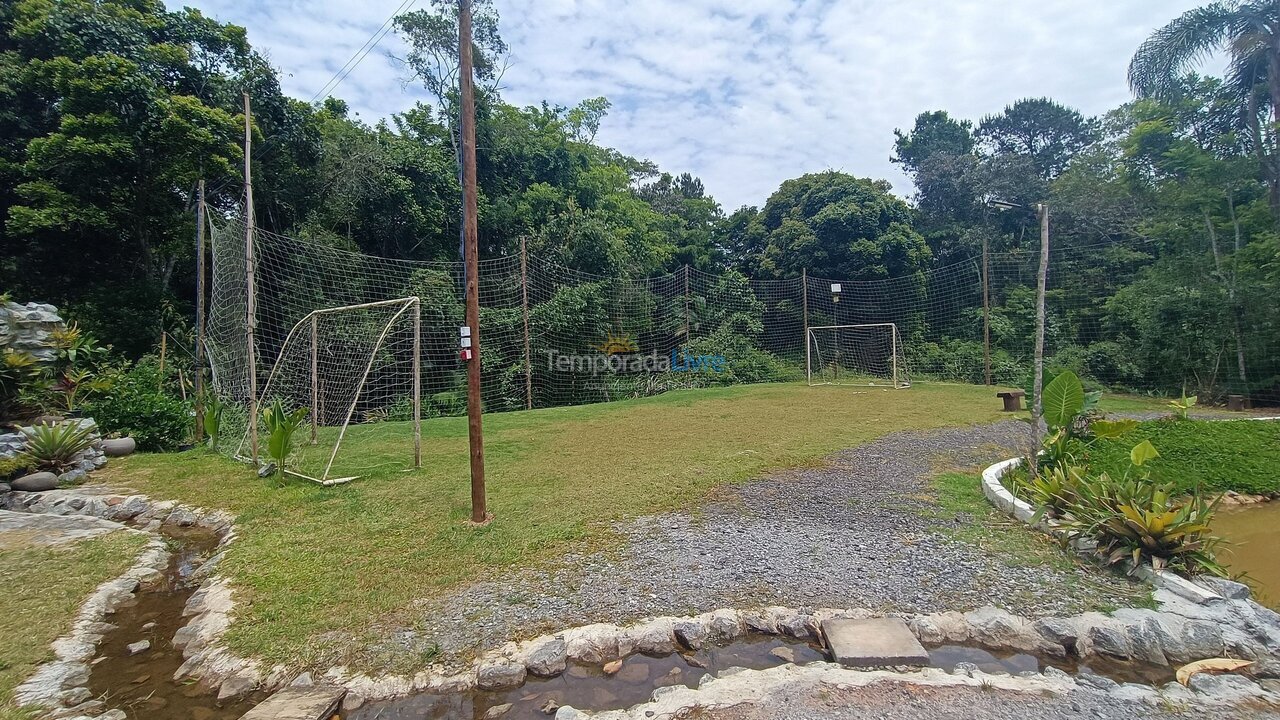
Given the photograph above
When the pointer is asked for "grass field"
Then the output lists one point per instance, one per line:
(44, 587)
(310, 560)
(1216, 456)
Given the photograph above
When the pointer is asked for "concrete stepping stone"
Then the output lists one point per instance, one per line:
(299, 703)
(873, 642)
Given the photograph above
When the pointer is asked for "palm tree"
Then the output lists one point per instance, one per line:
(1249, 31)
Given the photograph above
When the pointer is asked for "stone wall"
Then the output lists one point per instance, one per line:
(26, 328)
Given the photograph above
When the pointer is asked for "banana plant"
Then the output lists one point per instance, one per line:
(280, 425)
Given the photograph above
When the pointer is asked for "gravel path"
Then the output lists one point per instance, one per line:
(856, 532)
(898, 702)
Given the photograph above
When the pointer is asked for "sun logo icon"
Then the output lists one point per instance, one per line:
(619, 344)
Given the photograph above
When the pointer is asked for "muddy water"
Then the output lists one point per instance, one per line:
(588, 688)
(948, 657)
(142, 685)
(1253, 534)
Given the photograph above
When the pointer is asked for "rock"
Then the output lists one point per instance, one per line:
(546, 657)
(303, 680)
(612, 668)
(182, 517)
(235, 687)
(499, 674)
(567, 713)
(5, 487)
(944, 627)
(873, 642)
(1097, 682)
(1226, 588)
(995, 628)
(36, 482)
(1185, 641)
(784, 654)
(137, 647)
(1133, 693)
(1059, 631)
(655, 637)
(691, 634)
(497, 711)
(724, 625)
(1054, 673)
(594, 644)
(692, 661)
(352, 702)
(1225, 687)
(797, 625)
(1109, 640)
(965, 668)
(119, 447)
(550, 707)
(634, 672)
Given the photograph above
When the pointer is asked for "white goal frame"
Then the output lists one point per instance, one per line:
(899, 379)
(400, 306)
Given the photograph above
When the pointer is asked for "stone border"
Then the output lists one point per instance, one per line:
(1011, 505)
(63, 682)
(211, 603)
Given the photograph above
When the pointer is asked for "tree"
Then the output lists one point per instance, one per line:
(1047, 133)
(934, 133)
(839, 226)
(1250, 33)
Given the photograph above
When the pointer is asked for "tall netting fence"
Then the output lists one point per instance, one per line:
(551, 335)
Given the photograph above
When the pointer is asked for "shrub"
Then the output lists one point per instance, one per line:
(137, 406)
(55, 447)
(16, 466)
(280, 425)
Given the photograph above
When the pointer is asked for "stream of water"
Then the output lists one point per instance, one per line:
(142, 684)
(1253, 536)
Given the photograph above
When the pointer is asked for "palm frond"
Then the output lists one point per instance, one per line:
(1160, 60)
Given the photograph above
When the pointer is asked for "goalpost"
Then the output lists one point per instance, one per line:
(346, 364)
(869, 355)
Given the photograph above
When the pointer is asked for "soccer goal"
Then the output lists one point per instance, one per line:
(870, 355)
(346, 366)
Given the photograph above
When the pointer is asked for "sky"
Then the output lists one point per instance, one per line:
(743, 93)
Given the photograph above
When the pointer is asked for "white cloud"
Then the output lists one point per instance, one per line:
(746, 93)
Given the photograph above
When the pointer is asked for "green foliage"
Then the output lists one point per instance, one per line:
(16, 466)
(280, 425)
(20, 379)
(213, 408)
(1063, 400)
(140, 406)
(54, 447)
(1183, 406)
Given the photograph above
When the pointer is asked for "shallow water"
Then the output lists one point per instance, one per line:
(991, 662)
(1253, 536)
(142, 685)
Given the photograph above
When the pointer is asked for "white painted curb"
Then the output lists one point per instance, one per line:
(1010, 505)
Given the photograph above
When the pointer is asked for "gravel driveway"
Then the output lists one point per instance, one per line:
(856, 532)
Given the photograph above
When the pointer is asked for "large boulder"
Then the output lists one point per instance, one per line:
(36, 482)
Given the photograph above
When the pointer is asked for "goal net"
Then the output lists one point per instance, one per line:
(348, 367)
(869, 355)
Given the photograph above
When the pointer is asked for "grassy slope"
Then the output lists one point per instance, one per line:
(44, 588)
(1239, 455)
(310, 560)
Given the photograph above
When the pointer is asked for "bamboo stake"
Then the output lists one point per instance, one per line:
(1037, 407)
(251, 288)
(804, 289)
(200, 311)
(986, 313)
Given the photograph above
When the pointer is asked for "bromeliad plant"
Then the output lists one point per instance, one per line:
(1133, 519)
(55, 447)
(280, 425)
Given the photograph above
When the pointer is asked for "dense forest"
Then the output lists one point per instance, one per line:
(1164, 209)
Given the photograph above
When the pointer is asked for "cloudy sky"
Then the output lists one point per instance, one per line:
(745, 93)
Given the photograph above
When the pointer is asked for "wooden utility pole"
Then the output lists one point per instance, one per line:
(475, 432)
(251, 312)
(199, 369)
(804, 301)
(524, 311)
(1037, 406)
(986, 312)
